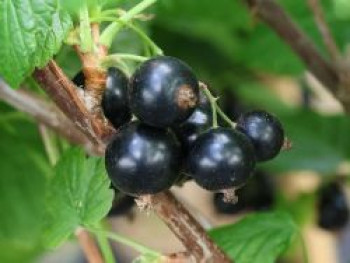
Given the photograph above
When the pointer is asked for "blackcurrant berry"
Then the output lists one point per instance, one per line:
(142, 159)
(115, 102)
(332, 207)
(227, 208)
(163, 92)
(221, 158)
(200, 121)
(79, 79)
(121, 205)
(257, 194)
(265, 131)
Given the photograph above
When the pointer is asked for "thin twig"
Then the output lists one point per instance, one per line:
(43, 112)
(186, 228)
(324, 29)
(50, 147)
(89, 246)
(334, 76)
(273, 14)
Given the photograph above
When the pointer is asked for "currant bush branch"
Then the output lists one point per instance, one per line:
(324, 29)
(89, 246)
(45, 113)
(186, 228)
(334, 76)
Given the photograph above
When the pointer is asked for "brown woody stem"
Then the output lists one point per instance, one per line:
(43, 112)
(89, 246)
(273, 15)
(324, 29)
(95, 76)
(335, 77)
(186, 228)
(63, 92)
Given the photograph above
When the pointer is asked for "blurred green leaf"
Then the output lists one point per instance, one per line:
(256, 238)
(24, 170)
(78, 195)
(228, 27)
(342, 9)
(216, 22)
(256, 94)
(301, 209)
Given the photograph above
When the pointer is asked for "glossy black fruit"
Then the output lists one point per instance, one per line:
(121, 205)
(265, 131)
(115, 102)
(221, 158)
(258, 194)
(228, 208)
(143, 159)
(200, 121)
(163, 92)
(79, 79)
(332, 207)
(260, 191)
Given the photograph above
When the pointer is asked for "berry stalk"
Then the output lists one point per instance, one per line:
(109, 33)
(215, 108)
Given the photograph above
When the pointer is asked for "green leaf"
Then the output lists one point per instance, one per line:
(256, 94)
(342, 9)
(31, 32)
(256, 238)
(215, 22)
(24, 171)
(79, 195)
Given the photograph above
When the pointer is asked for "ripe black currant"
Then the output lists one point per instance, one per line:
(228, 208)
(122, 205)
(115, 101)
(163, 92)
(260, 191)
(257, 194)
(142, 159)
(221, 158)
(79, 79)
(200, 121)
(332, 207)
(265, 131)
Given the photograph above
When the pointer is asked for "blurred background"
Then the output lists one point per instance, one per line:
(247, 66)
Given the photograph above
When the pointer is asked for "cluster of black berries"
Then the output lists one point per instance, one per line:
(173, 132)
